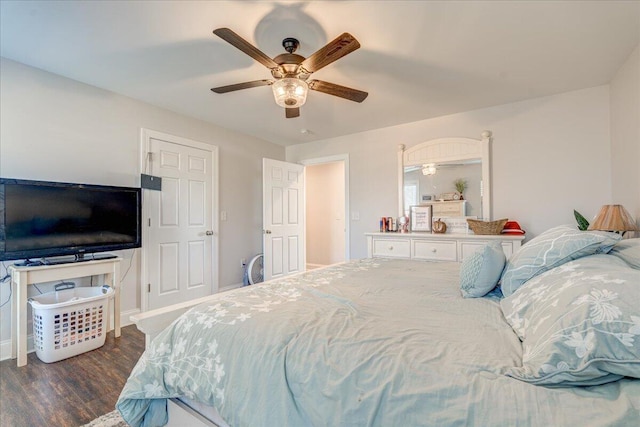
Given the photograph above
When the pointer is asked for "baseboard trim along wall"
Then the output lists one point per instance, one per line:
(314, 266)
(230, 287)
(5, 346)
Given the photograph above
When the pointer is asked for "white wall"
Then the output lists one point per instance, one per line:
(550, 155)
(625, 136)
(325, 222)
(57, 129)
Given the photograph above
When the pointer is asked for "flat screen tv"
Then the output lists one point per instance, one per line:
(51, 219)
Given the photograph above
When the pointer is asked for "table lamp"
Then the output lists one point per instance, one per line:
(614, 218)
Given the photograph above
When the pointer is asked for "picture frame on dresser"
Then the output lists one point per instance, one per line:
(421, 218)
(457, 224)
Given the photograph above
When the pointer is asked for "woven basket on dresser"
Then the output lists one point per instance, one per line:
(487, 227)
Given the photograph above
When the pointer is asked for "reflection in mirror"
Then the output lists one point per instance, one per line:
(427, 172)
(420, 188)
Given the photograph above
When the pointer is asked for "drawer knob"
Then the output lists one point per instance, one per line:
(434, 250)
(390, 248)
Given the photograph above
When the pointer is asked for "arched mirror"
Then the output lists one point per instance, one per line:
(428, 173)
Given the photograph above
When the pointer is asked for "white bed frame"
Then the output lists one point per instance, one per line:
(181, 415)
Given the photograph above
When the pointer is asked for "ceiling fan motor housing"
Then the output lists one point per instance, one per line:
(290, 44)
(289, 66)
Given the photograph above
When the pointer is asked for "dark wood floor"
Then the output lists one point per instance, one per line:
(71, 392)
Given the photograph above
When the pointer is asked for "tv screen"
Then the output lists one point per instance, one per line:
(48, 219)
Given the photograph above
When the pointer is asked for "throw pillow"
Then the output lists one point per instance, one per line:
(480, 271)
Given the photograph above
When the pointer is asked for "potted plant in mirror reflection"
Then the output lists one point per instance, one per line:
(461, 185)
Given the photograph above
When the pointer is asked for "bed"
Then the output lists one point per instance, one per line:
(387, 342)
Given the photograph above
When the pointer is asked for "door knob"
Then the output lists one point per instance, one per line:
(267, 231)
(209, 233)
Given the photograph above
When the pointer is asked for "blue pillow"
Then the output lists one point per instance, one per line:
(479, 272)
(550, 249)
(579, 323)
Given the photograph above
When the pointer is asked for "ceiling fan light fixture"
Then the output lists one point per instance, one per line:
(428, 169)
(290, 92)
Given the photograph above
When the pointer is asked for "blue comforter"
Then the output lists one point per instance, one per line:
(365, 343)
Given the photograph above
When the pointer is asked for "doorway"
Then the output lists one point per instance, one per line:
(326, 210)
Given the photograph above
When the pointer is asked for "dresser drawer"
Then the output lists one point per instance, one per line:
(434, 250)
(435, 247)
(467, 248)
(391, 248)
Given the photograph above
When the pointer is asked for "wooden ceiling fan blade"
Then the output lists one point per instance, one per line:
(292, 112)
(341, 46)
(337, 90)
(235, 40)
(239, 86)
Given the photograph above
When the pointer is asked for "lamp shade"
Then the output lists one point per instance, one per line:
(290, 92)
(613, 218)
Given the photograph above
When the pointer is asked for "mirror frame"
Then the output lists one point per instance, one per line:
(443, 150)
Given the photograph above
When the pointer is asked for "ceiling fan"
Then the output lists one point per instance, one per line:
(291, 71)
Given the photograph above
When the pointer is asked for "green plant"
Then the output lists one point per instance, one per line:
(461, 185)
(583, 224)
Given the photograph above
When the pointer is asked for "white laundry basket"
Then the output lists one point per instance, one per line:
(67, 323)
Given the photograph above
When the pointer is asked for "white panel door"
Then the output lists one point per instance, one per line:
(283, 218)
(180, 241)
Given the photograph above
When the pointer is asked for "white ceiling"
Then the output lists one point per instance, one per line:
(418, 60)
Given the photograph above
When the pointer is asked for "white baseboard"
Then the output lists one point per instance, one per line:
(5, 346)
(230, 287)
(125, 317)
(314, 266)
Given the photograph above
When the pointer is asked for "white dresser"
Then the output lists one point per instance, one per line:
(434, 247)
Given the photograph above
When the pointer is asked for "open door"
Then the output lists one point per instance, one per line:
(283, 218)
